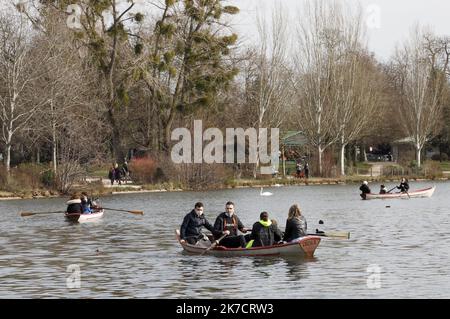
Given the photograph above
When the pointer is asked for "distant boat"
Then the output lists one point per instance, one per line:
(265, 193)
(421, 193)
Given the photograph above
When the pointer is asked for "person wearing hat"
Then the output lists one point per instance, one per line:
(364, 189)
(383, 189)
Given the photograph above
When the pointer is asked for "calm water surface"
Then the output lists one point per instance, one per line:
(125, 255)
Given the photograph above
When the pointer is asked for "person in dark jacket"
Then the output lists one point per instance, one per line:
(191, 228)
(296, 225)
(306, 170)
(364, 189)
(404, 186)
(265, 232)
(118, 174)
(228, 221)
(112, 174)
(383, 190)
(74, 205)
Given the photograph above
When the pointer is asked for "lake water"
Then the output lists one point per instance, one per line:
(401, 251)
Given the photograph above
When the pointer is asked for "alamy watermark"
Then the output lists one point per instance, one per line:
(75, 13)
(208, 146)
(73, 281)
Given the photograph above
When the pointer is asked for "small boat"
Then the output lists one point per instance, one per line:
(82, 218)
(305, 247)
(427, 192)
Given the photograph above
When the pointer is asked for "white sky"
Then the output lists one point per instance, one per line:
(396, 18)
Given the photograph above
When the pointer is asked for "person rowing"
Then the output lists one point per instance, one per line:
(404, 186)
(364, 188)
(228, 221)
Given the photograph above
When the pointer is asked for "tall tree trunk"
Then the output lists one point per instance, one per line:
(8, 158)
(418, 155)
(168, 132)
(343, 159)
(320, 151)
(54, 143)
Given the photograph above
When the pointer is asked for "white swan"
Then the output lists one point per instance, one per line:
(265, 193)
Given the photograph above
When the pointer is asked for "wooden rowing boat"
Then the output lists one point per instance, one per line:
(305, 247)
(427, 192)
(82, 218)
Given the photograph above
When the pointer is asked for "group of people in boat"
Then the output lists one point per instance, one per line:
(81, 204)
(264, 232)
(403, 187)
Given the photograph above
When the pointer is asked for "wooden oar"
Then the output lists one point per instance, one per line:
(332, 234)
(23, 214)
(137, 212)
(391, 190)
(213, 244)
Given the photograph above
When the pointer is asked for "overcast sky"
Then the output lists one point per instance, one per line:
(390, 21)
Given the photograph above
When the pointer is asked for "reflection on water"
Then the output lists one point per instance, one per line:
(125, 255)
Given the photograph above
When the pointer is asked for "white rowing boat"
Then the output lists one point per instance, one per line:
(83, 218)
(421, 193)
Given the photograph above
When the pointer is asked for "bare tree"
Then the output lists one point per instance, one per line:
(421, 68)
(320, 46)
(358, 97)
(268, 84)
(17, 72)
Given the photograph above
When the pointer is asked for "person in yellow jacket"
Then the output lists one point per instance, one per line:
(264, 232)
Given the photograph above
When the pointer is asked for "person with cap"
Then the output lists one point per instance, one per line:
(383, 189)
(191, 228)
(228, 221)
(265, 232)
(364, 188)
(296, 225)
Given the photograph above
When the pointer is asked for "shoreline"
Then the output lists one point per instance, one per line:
(238, 184)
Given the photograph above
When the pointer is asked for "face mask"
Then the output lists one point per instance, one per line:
(199, 212)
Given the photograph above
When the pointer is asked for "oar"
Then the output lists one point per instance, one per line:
(213, 244)
(392, 189)
(23, 214)
(332, 234)
(137, 212)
